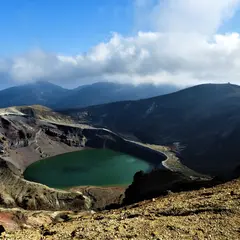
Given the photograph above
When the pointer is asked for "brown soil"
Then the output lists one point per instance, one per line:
(211, 213)
(103, 197)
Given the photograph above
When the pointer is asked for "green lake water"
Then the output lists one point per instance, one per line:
(99, 167)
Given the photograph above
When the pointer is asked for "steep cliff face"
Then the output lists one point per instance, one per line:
(17, 192)
(34, 133)
(24, 140)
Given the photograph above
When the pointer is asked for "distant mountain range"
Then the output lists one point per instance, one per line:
(56, 97)
(43, 93)
(204, 119)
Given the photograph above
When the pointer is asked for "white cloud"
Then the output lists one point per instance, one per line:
(182, 48)
(200, 16)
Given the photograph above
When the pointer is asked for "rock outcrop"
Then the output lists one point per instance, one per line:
(160, 182)
(33, 134)
(17, 192)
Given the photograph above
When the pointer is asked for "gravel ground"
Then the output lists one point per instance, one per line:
(211, 213)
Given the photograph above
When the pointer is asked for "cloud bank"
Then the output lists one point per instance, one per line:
(181, 47)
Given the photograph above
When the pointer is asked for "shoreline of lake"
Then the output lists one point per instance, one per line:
(88, 167)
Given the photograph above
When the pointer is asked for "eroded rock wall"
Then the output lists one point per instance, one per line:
(17, 192)
(26, 140)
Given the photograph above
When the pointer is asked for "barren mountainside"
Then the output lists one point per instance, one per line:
(210, 213)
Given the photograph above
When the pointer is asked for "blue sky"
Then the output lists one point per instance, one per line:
(71, 42)
(232, 25)
(66, 26)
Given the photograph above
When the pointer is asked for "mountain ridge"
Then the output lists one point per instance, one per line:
(203, 118)
(56, 97)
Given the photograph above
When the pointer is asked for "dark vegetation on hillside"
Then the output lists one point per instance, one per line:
(205, 119)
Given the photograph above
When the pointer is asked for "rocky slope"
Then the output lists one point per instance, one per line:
(209, 213)
(31, 133)
(17, 192)
(36, 134)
